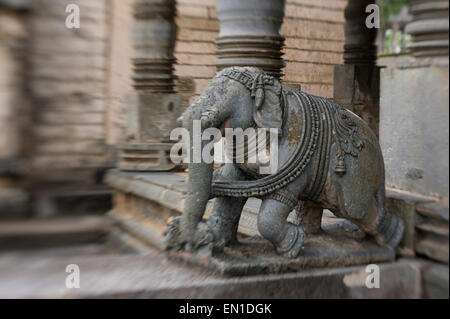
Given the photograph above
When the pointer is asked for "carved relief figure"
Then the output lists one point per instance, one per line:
(328, 159)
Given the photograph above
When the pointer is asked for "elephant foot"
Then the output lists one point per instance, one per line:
(202, 239)
(345, 228)
(292, 243)
(390, 230)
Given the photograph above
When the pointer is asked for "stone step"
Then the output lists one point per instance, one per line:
(14, 203)
(51, 200)
(154, 276)
(427, 224)
(52, 232)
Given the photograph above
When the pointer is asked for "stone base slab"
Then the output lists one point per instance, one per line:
(256, 256)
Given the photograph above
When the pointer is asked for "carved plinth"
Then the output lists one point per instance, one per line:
(256, 256)
(250, 35)
(146, 157)
(151, 119)
(429, 27)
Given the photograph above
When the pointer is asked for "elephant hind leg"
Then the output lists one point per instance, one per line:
(273, 225)
(390, 227)
(386, 227)
(310, 216)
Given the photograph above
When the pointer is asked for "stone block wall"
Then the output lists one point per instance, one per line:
(68, 72)
(314, 32)
(120, 71)
(13, 109)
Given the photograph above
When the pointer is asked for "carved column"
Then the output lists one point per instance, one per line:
(429, 27)
(414, 130)
(357, 82)
(250, 34)
(155, 106)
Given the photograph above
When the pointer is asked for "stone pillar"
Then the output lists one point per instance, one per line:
(429, 27)
(357, 82)
(414, 131)
(416, 90)
(154, 107)
(250, 34)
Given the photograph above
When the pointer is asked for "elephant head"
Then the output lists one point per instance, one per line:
(238, 97)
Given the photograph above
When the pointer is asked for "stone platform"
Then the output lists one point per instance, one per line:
(256, 256)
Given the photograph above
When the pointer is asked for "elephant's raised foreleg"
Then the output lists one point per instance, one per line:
(273, 225)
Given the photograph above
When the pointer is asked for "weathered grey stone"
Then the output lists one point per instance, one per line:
(415, 148)
(435, 278)
(255, 256)
(407, 211)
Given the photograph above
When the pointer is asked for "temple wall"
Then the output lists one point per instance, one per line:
(13, 34)
(314, 32)
(80, 79)
(14, 110)
(68, 86)
(120, 71)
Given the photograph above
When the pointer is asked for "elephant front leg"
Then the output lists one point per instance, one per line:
(224, 220)
(227, 211)
(273, 225)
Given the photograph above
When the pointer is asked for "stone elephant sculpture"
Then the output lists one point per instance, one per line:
(328, 159)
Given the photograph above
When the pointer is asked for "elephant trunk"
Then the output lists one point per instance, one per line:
(199, 184)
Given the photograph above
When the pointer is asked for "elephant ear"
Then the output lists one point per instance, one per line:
(267, 107)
